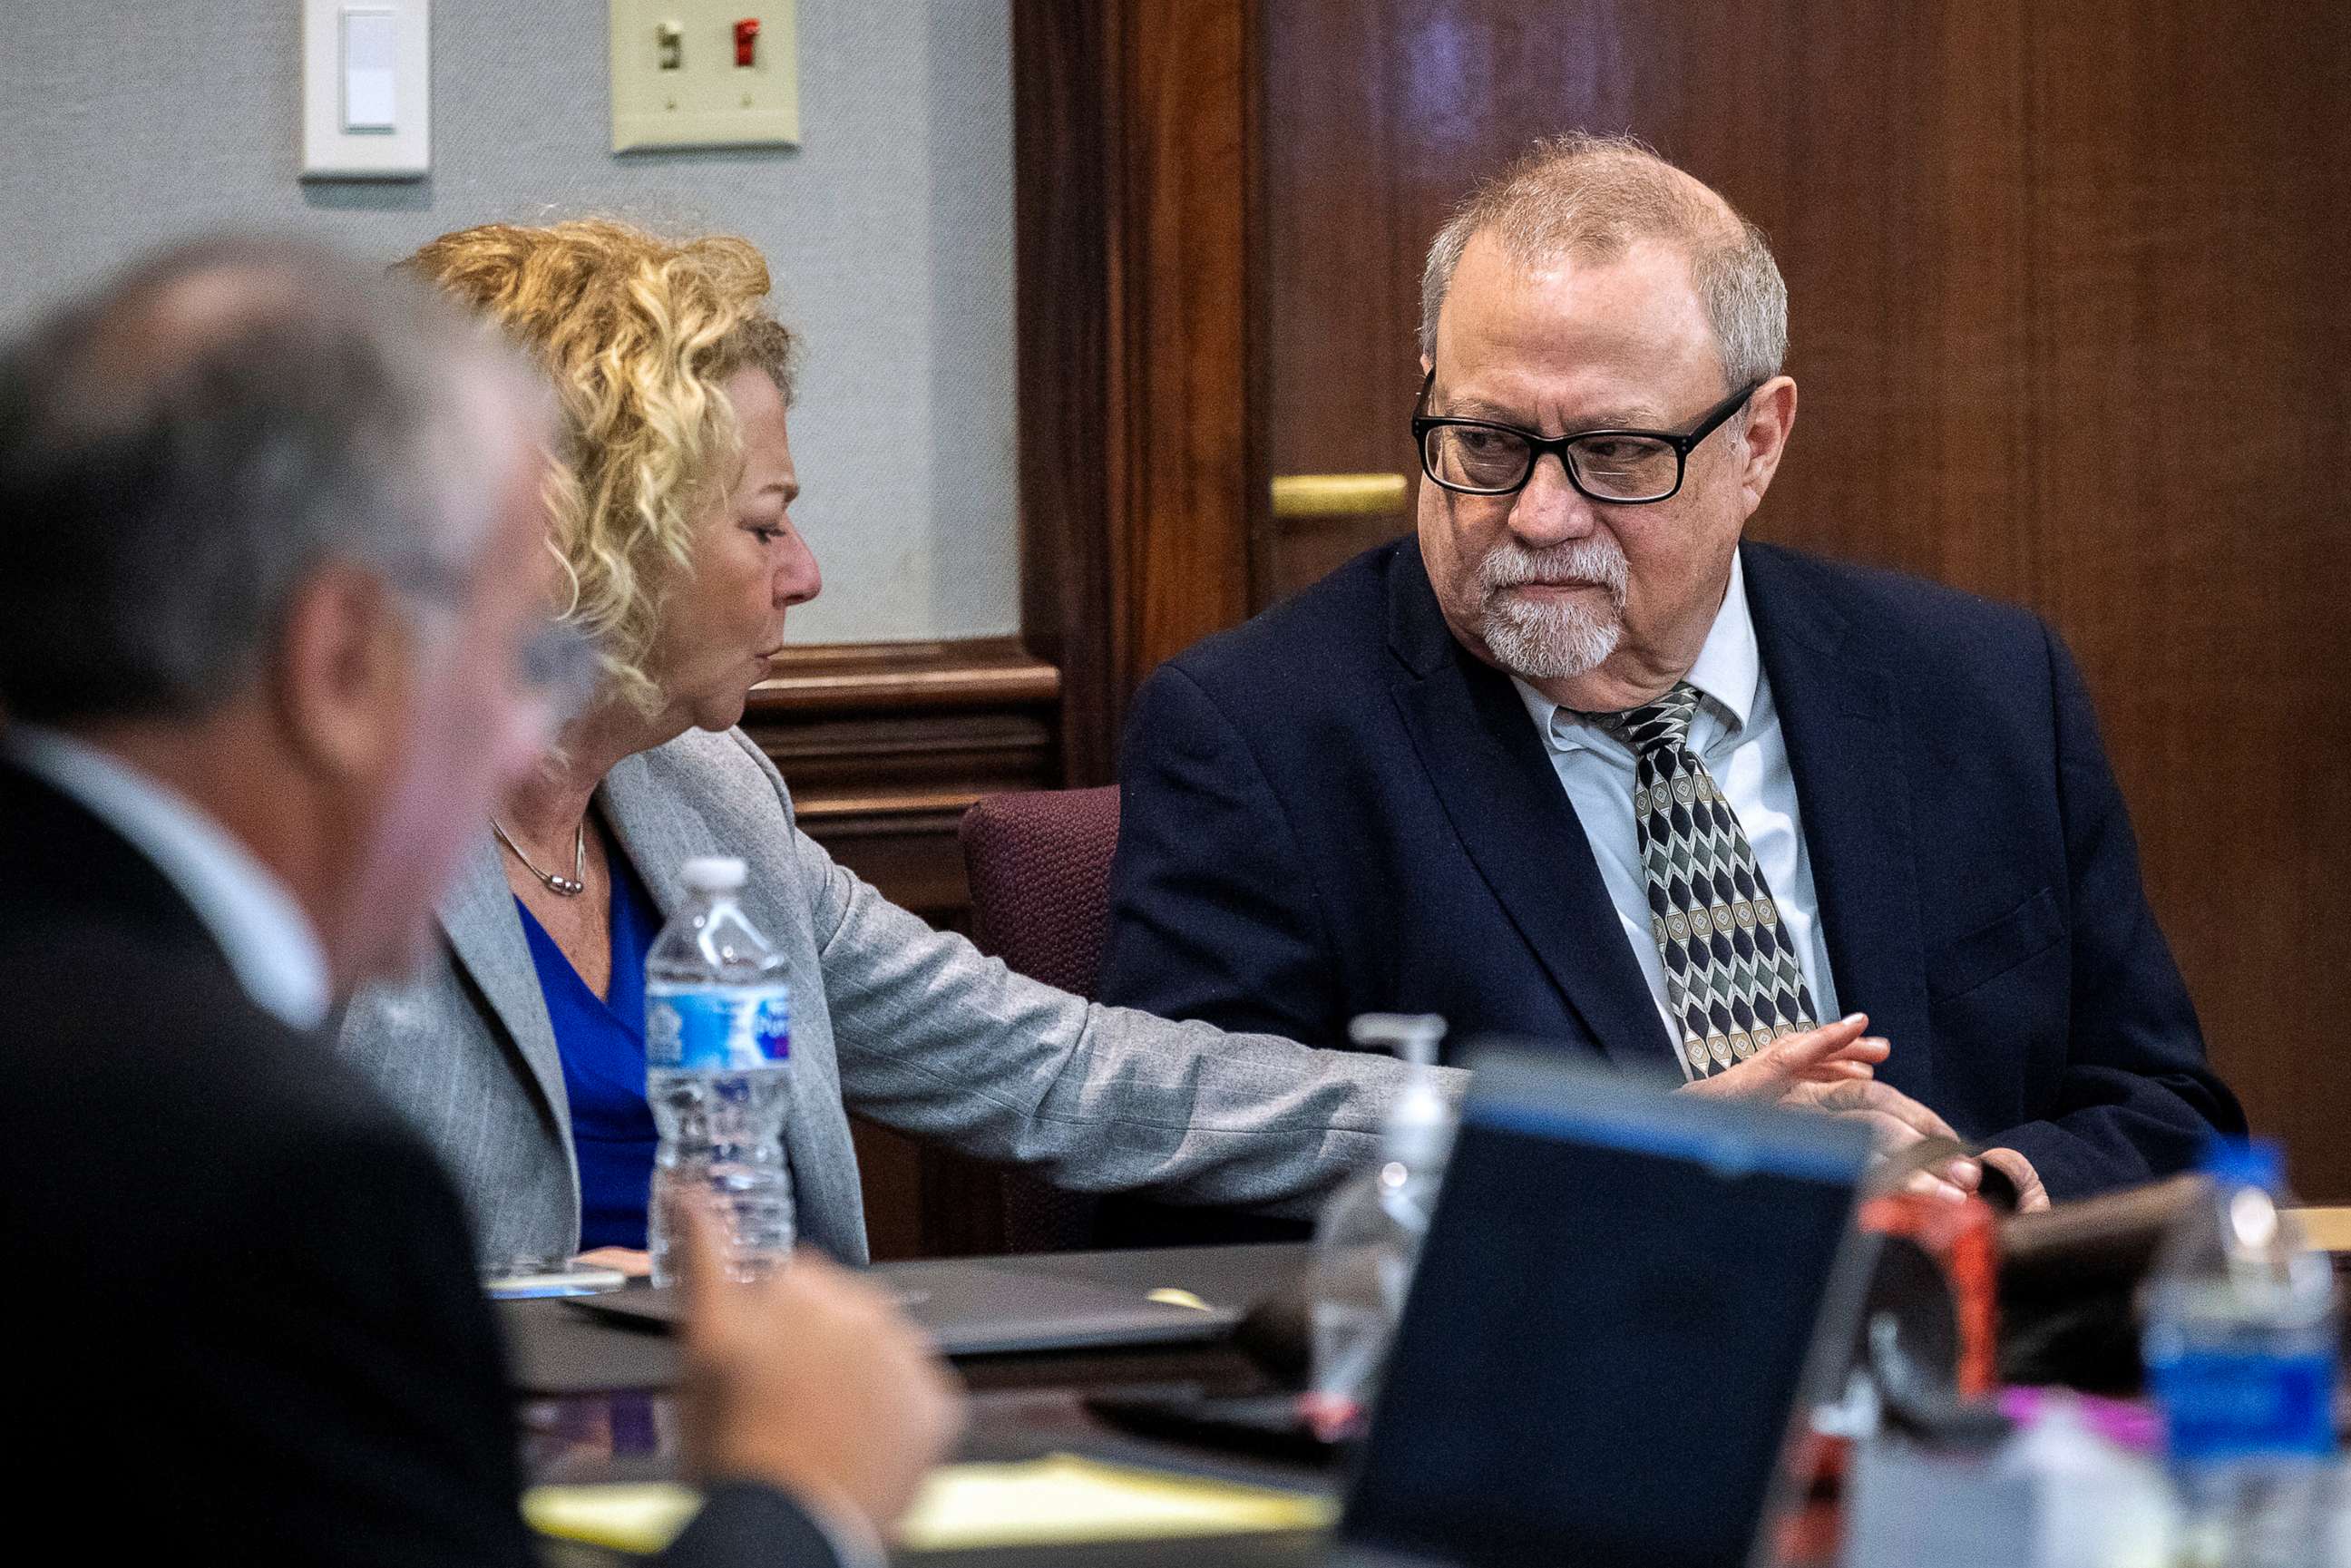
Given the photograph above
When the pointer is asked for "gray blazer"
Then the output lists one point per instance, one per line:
(908, 1025)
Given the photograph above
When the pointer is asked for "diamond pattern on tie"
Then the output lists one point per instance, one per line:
(1731, 979)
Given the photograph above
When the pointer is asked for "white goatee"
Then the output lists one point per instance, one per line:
(1551, 639)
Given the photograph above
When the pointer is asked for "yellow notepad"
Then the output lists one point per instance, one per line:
(626, 1516)
(1060, 1498)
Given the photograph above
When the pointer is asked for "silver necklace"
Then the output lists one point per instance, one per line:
(571, 886)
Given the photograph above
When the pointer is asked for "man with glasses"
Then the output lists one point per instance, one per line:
(1575, 762)
(273, 638)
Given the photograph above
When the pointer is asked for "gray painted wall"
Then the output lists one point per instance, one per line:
(127, 122)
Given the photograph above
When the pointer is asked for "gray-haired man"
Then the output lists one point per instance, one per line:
(1577, 762)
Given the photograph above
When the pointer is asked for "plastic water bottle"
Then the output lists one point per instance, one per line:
(717, 1040)
(2240, 1344)
(1369, 1237)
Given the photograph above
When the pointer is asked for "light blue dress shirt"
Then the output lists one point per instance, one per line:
(262, 931)
(1736, 730)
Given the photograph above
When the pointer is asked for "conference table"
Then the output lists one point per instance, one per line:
(594, 1405)
(594, 1402)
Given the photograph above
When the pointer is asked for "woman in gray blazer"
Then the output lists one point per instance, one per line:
(669, 520)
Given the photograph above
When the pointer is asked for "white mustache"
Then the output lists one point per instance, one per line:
(1597, 560)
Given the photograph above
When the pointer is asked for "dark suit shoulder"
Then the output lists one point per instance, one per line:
(221, 1210)
(154, 1061)
(1931, 618)
(215, 1125)
(158, 1010)
(1311, 651)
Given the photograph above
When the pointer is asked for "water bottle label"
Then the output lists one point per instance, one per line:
(705, 1030)
(2219, 1406)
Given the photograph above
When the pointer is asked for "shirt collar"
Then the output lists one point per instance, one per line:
(261, 930)
(1727, 670)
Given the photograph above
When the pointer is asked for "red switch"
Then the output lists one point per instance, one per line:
(747, 40)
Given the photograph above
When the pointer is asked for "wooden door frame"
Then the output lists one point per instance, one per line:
(1134, 201)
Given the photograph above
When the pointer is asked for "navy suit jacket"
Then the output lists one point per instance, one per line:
(1336, 809)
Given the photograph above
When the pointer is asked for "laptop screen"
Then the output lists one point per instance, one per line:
(1610, 1326)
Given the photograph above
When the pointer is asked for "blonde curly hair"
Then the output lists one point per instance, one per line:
(638, 332)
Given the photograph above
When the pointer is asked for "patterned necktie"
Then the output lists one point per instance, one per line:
(1731, 979)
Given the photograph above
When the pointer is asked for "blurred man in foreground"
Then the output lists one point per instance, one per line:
(273, 637)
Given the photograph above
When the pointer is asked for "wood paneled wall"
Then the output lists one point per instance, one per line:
(884, 744)
(1132, 138)
(2068, 316)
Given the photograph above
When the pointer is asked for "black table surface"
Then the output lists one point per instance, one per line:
(556, 1347)
(594, 1405)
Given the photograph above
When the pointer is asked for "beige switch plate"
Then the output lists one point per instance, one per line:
(707, 100)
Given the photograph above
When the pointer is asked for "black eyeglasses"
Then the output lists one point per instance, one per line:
(1622, 468)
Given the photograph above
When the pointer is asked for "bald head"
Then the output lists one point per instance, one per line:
(180, 447)
(1589, 199)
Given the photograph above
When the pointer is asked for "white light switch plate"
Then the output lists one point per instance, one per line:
(706, 99)
(367, 90)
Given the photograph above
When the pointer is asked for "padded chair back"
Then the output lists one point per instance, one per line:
(1038, 864)
(1040, 869)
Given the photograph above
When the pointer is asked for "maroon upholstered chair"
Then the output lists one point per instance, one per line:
(1038, 864)
(1040, 869)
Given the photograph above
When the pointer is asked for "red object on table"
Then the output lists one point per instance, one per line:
(1962, 1238)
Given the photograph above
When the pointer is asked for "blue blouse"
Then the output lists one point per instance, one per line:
(602, 1043)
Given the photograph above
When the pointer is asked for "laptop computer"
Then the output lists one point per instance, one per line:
(986, 1306)
(1624, 1301)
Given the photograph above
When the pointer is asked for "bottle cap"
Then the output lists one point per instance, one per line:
(1412, 1036)
(1419, 1125)
(714, 873)
(2245, 1162)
